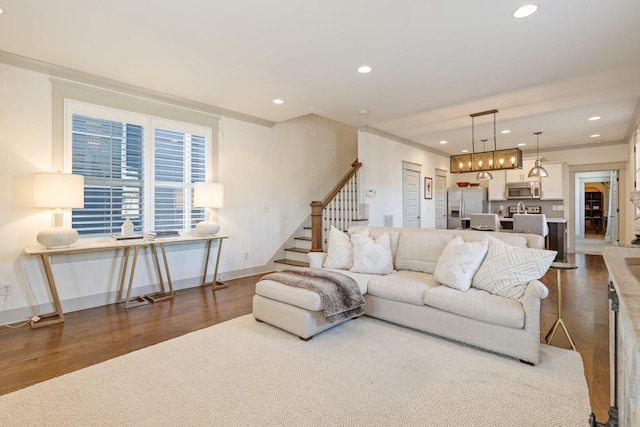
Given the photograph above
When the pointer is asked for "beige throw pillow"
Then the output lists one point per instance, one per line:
(506, 270)
(373, 257)
(339, 250)
(459, 262)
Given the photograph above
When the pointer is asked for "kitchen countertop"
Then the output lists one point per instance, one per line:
(554, 220)
(507, 219)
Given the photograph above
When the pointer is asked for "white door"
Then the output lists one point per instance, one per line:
(410, 196)
(441, 200)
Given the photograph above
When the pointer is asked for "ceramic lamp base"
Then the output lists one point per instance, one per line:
(57, 237)
(207, 228)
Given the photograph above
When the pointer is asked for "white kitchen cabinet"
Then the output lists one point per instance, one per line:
(518, 175)
(496, 186)
(552, 186)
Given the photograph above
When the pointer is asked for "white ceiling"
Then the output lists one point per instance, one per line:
(434, 62)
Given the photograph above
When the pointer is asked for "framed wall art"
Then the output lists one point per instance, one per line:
(428, 188)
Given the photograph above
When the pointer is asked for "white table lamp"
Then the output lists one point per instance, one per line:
(58, 191)
(208, 195)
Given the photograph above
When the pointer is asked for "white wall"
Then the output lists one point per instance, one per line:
(270, 175)
(382, 171)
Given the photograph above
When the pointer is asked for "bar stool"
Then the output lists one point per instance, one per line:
(559, 266)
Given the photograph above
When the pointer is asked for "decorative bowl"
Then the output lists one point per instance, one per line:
(474, 184)
(462, 184)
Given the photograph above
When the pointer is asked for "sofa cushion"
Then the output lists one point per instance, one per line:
(506, 269)
(420, 251)
(404, 286)
(372, 256)
(477, 304)
(339, 250)
(459, 262)
(362, 279)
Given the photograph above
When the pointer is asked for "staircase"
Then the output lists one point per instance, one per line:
(341, 209)
(296, 256)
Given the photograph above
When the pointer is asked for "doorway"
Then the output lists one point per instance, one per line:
(596, 211)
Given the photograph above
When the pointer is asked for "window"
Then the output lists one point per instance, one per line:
(137, 167)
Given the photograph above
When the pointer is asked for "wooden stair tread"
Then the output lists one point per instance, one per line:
(301, 250)
(302, 238)
(292, 262)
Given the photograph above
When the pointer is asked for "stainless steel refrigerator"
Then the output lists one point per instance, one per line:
(462, 202)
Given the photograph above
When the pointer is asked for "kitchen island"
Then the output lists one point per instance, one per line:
(556, 241)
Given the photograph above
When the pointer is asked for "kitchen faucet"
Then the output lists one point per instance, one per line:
(523, 208)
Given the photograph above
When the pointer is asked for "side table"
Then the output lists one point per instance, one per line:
(559, 266)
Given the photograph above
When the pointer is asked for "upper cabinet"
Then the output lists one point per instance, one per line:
(552, 186)
(517, 175)
(496, 186)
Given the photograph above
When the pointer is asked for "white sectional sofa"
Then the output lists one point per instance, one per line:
(411, 296)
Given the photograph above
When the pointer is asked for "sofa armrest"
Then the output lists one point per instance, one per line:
(316, 259)
(535, 292)
(536, 289)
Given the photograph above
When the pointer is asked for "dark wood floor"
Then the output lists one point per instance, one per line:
(91, 336)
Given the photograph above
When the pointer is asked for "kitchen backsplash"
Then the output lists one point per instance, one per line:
(547, 207)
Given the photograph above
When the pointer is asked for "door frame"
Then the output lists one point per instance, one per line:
(413, 167)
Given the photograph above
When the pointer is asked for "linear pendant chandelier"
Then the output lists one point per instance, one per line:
(485, 161)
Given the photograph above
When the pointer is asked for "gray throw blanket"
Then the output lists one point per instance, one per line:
(340, 294)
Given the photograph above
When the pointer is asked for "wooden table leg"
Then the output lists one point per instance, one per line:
(215, 283)
(138, 300)
(56, 316)
(162, 295)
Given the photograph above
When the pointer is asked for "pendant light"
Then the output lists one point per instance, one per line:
(485, 175)
(537, 171)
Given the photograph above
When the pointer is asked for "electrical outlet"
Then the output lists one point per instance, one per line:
(246, 256)
(5, 289)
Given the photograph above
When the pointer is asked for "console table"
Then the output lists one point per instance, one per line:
(45, 254)
(623, 264)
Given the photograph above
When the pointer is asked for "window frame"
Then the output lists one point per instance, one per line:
(150, 124)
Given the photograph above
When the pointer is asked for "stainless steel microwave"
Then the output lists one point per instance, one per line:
(522, 190)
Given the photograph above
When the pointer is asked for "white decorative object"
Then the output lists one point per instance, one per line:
(127, 227)
(58, 191)
(208, 195)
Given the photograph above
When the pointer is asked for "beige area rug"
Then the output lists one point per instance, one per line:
(363, 372)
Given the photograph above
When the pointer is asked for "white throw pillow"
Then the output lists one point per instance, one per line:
(459, 262)
(506, 270)
(373, 257)
(339, 250)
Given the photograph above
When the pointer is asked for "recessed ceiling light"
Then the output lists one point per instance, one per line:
(595, 135)
(364, 69)
(524, 11)
(363, 112)
(465, 151)
(443, 142)
(594, 118)
(1, 10)
(522, 144)
(278, 101)
(506, 131)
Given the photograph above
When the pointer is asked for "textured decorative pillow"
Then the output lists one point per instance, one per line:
(506, 270)
(339, 250)
(420, 250)
(459, 262)
(373, 257)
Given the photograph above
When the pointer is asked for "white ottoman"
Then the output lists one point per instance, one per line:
(296, 310)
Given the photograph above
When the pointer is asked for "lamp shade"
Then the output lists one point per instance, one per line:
(208, 195)
(58, 190)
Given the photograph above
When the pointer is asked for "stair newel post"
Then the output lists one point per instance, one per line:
(316, 226)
